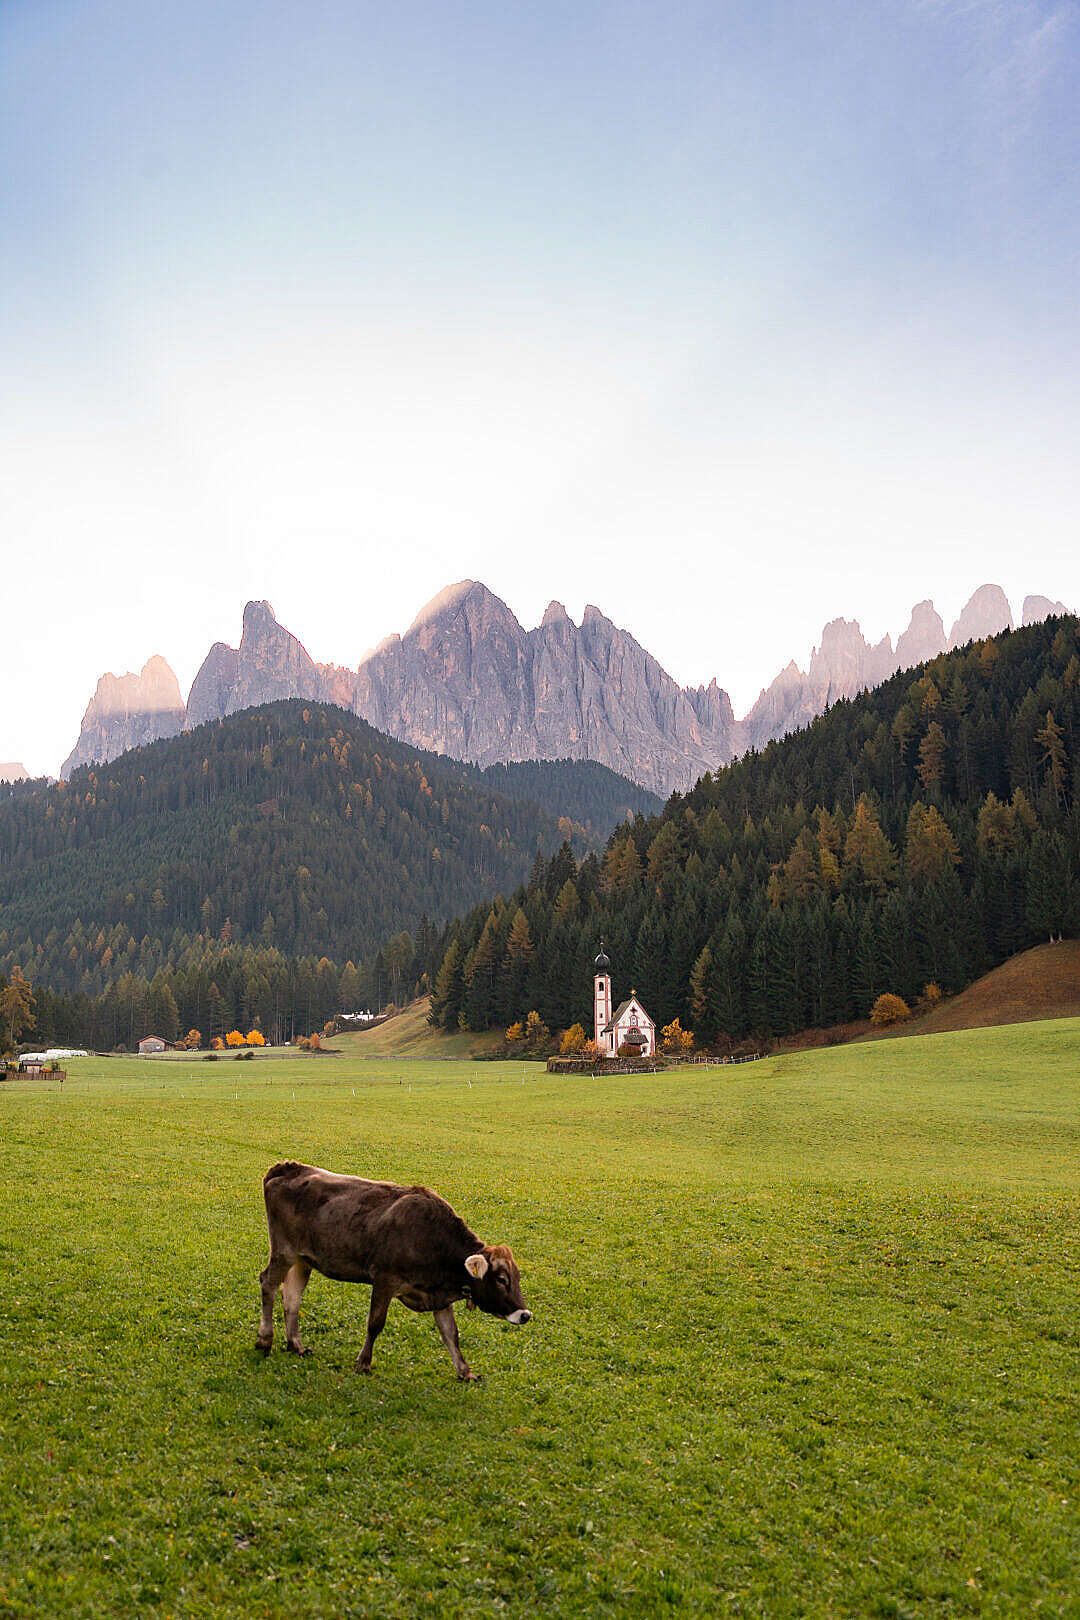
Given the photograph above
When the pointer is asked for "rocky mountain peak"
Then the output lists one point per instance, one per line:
(1038, 608)
(127, 711)
(213, 685)
(924, 637)
(555, 613)
(269, 664)
(986, 613)
(14, 772)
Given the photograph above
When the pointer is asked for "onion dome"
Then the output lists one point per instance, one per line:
(602, 963)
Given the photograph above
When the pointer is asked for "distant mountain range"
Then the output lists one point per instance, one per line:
(13, 773)
(468, 681)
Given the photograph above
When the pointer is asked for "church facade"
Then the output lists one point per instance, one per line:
(627, 1025)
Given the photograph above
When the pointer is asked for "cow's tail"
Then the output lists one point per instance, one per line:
(287, 1167)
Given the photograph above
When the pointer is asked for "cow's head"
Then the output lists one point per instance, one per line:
(495, 1283)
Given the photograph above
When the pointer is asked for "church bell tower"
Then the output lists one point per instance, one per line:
(602, 997)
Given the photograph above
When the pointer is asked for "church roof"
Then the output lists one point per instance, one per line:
(623, 1007)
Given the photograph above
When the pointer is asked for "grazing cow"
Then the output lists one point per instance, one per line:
(405, 1241)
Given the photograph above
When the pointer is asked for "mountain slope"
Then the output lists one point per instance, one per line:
(1041, 983)
(922, 832)
(292, 826)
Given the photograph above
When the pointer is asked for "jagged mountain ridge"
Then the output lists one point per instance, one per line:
(468, 681)
(127, 711)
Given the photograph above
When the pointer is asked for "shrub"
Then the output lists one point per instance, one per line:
(673, 1038)
(216, 1044)
(572, 1041)
(244, 1057)
(888, 1009)
(211, 1057)
(931, 997)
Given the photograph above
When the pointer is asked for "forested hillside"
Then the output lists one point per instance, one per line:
(284, 834)
(589, 793)
(920, 833)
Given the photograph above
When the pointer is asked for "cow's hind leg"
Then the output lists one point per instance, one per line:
(380, 1304)
(447, 1326)
(292, 1292)
(270, 1280)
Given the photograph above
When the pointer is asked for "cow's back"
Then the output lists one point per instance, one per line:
(351, 1228)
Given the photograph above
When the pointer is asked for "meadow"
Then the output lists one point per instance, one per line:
(805, 1341)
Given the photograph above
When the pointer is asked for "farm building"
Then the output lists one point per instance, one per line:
(151, 1045)
(628, 1026)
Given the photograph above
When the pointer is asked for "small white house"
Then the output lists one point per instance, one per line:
(628, 1025)
(151, 1045)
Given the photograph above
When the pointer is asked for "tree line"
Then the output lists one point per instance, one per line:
(915, 835)
(288, 833)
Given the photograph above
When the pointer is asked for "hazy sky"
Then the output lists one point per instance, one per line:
(729, 318)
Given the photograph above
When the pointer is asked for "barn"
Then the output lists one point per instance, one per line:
(151, 1045)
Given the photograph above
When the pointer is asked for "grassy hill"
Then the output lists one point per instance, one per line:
(410, 1035)
(1040, 983)
(804, 1342)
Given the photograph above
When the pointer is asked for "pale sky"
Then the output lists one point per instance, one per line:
(730, 318)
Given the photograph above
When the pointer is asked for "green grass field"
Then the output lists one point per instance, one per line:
(805, 1342)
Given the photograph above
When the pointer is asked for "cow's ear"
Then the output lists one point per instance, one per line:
(476, 1265)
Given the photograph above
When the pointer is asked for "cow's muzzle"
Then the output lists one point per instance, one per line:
(518, 1318)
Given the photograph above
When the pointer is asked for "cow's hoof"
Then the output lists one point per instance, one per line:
(471, 1378)
(264, 1349)
(298, 1349)
(364, 1367)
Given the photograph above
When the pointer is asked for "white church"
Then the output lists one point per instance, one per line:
(629, 1025)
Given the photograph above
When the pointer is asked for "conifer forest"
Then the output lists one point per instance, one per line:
(291, 862)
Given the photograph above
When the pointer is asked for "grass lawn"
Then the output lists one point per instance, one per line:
(805, 1342)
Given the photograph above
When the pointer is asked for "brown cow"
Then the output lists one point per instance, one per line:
(406, 1242)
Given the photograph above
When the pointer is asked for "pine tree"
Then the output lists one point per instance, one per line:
(932, 755)
(449, 989)
(516, 963)
(1051, 740)
(480, 1008)
(931, 846)
(867, 852)
(17, 1007)
(701, 989)
(1049, 886)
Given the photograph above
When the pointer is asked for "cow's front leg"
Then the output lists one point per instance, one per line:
(270, 1280)
(380, 1304)
(447, 1326)
(292, 1292)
